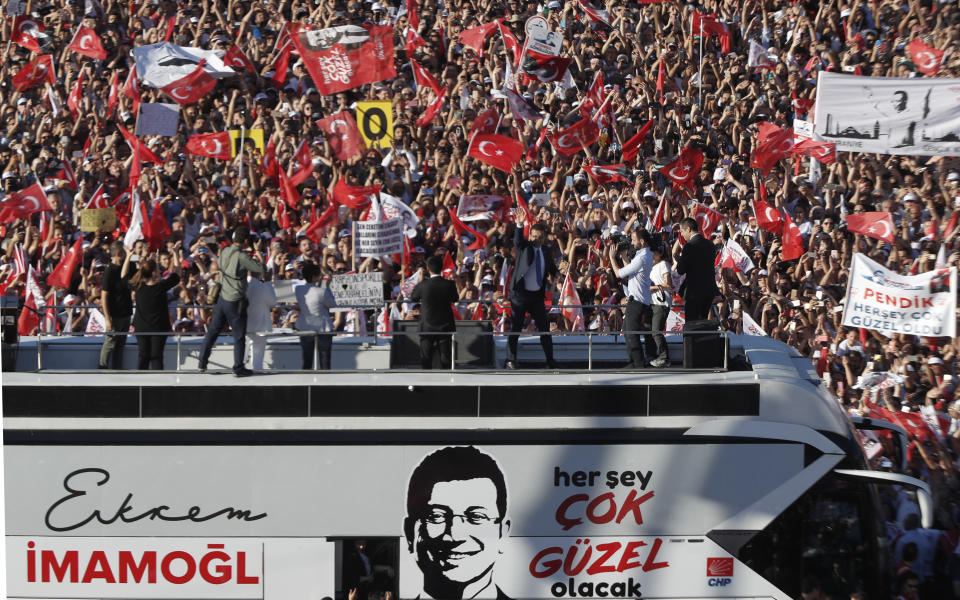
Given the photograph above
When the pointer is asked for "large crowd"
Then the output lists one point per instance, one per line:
(711, 101)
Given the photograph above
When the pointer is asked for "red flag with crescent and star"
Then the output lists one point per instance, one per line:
(683, 170)
(213, 145)
(707, 219)
(498, 151)
(878, 225)
(342, 134)
(192, 87)
(767, 216)
(36, 71)
(88, 43)
(238, 60)
(926, 59)
(22, 204)
(574, 138)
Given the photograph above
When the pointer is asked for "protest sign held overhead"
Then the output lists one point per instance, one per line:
(344, 57)
(478, 207)
(886, 115)
(889, 303)
(375, 122)
(379, 238)
(253, 138)
(357, 289)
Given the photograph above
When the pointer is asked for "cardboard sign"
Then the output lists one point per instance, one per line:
(98, 219)
(379, 238)
(358, 290)
(254, 136)
(375, 121)
(158, 118)
(540, 38)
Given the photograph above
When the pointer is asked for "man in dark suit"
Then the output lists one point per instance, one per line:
(534, 265)
(696, 262)
(435, 294)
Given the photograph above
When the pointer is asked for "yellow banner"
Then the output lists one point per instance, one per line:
(375, 121)
(253, 137)
(98, 219)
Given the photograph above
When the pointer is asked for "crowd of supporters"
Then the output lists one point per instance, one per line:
(652, 70)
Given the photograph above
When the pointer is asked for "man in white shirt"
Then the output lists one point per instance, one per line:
(260, 298)
(314, 302)
(636, 274)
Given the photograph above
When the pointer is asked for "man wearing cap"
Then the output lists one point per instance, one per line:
(527, 287)
(231, 306)
(435, 295)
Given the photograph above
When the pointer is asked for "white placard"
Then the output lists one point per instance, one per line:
(379, 238)
(884, 301)
(358, 289)
(888, 115)
(158, 118)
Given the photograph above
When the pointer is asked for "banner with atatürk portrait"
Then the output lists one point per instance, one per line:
(887, 115)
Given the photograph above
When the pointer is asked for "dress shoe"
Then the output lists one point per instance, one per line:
(242, 372)
(510, 365)
(552, 364)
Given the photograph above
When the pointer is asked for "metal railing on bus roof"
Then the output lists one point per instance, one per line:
(390, 334)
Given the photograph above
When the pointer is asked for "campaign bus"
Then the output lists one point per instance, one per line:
(744, 481)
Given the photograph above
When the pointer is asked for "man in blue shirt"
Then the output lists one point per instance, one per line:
(635, 273)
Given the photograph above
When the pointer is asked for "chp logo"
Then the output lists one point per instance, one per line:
(719, 571)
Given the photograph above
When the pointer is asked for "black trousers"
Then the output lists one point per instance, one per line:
(521, 303)
(638, 317)
(324, 344)
(111, 354)
(224, 312)
(696, 307)
(434, 351)
(150, 352)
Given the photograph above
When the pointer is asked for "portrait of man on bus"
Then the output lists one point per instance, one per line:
(456, 521)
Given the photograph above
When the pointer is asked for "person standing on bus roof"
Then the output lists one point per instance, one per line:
(696, 262)
(314, 300)
(527, 290)
(632, 264)
(231, 306)
(456, 522)
(435, 295)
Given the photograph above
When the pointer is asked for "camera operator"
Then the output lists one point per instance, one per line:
(231, 306)
(633, 263)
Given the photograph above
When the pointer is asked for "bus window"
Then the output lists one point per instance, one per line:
(368, 565)
(825, 539)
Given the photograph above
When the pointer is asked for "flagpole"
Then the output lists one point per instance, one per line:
(700, 72)
(353, 246)
(243, 135)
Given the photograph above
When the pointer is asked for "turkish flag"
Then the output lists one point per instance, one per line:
(544, 67)
(114, 98)
(342, 134)
(434, 107)
(707, 219)
(146, 154)
(269, 163)
(424, 78)
(595, 94)
(632, 146)
(511, 42)
(604, 174)
(878, 225)
(801, 105)
(597, 15)
(660, 79)
(335, 68)
(926, 59)
(413, 41)
(777, 145)
(238, 60)
(36, 71)
(319, 226)
(289, 190)
(413, 16)
(302, 164)
(486, 122)
(76, 94)
(572, 306)
(498, 151)
(767, 216)
(213, 145)
(159, 229)
(97, 200)
(825, 152)
(684, 169)
(480, 240)
(63, 273)
(709, 25)
(25, 30)
(354, 196)
(474, 37)
(66, 174)
(191, 88)
(22, 204)
(574, 138)
(792, 240)
(280, 66)
(87, 42)
(29, 320)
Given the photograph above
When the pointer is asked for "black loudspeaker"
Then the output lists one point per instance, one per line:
(8, 319)
(703, 350)
(474, 351)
